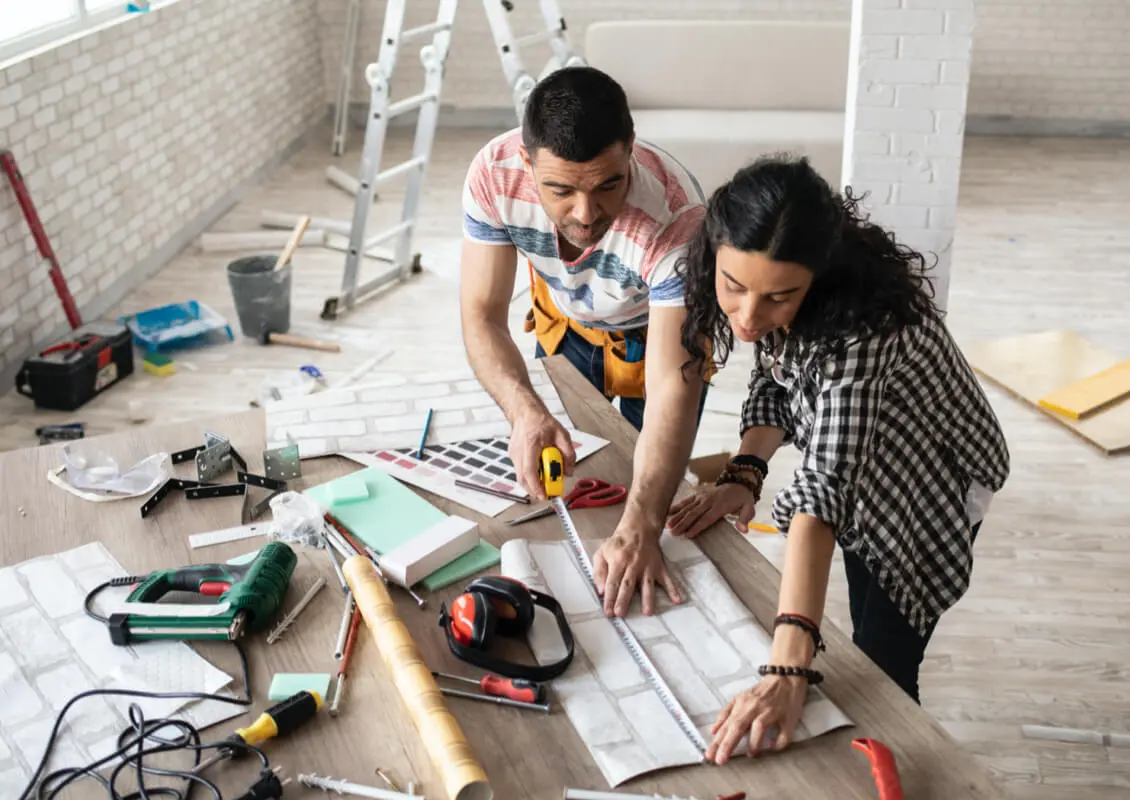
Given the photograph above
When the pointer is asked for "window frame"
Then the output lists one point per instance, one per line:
(82, 22)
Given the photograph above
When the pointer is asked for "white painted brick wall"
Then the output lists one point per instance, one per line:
(1045, 59)
(126, 134)
(903, 129)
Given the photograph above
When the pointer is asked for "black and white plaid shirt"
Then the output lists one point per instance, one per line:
(895, 432)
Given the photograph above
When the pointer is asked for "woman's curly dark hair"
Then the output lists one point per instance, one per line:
(863, 280)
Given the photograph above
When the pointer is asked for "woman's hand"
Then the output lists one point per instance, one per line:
(709, 503)
(774, 704)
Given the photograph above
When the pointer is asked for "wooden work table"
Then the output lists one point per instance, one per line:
(527, 755)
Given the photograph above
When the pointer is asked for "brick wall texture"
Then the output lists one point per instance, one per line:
(125, 135)
(907, 89)
(1045, 59)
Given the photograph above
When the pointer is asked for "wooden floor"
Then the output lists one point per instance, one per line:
(1043, 636)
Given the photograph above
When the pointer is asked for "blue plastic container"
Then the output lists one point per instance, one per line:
(176, 325)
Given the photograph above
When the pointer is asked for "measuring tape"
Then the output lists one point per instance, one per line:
(551, 463)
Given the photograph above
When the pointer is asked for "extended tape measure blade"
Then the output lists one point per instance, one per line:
(627, 638)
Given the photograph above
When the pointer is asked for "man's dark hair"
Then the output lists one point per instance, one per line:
(576, 113)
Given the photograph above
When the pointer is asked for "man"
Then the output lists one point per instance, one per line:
(600, 220)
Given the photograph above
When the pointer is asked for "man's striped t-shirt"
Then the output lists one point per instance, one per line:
(613, 283)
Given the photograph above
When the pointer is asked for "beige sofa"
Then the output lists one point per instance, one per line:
(717, 94)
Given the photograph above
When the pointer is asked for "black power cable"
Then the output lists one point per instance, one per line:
(132, 742)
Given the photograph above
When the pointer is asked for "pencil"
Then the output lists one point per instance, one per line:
(487, 490)
(424, 438)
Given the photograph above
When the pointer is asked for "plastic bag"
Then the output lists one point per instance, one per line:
(297, 519)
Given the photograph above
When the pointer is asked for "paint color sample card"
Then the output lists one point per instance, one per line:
(484, 462)
(389, 413)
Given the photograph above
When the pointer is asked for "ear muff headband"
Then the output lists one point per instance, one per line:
(475, 651)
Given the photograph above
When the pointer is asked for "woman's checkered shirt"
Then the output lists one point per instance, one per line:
(893, 431)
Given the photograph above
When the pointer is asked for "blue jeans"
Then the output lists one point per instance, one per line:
(589, 361)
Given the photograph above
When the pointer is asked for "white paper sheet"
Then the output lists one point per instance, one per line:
(707, 650)
(50, 650)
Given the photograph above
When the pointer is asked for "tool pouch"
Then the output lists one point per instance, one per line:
(623, 356)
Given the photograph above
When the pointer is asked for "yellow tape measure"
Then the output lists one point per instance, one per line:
(551, 471)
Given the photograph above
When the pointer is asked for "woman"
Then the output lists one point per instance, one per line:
(900, 449)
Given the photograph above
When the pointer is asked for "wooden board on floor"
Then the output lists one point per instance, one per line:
(1094, 393)
(1035, 365)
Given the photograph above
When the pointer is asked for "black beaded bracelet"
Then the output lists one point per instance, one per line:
(742, 461)
(813, 676)
(806, 624)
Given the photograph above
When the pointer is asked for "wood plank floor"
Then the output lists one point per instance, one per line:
(1043, 636)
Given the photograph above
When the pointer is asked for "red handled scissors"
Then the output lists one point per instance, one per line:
(587, 493)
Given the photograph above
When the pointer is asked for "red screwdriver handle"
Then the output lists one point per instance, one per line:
(516, 689)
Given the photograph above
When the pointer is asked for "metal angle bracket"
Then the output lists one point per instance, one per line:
(217, 457)
(261, 481)
(282, 463)
(208, 491)
(181, 456)
(168, 486)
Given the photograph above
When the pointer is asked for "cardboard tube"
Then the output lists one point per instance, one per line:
(463, 777)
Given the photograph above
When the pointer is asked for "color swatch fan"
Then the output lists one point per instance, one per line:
(483, 462)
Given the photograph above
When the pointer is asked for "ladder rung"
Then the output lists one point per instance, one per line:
(399, 169)
(423, 30)
(384, 236)
(535, 38)
(409, 103)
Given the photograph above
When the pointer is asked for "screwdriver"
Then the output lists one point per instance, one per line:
(278, 720)
(518, 689)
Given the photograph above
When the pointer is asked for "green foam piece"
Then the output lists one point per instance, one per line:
(350, 489)
(393, 514)
(246, 558)
(286, 684)
(482, 556)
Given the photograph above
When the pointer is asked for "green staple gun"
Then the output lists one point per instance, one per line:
(248, 596)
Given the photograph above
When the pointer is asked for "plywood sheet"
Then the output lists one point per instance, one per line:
(1035, 365)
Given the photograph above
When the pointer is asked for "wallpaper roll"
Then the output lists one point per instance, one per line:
(463, 777)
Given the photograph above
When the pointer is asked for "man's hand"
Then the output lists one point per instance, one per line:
(531, 433)
(626, 561)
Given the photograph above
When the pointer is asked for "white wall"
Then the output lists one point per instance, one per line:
(1057, 65)
(133, 138)
(908, 81)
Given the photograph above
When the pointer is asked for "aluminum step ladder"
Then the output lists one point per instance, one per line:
(522, 82)
(379, 77)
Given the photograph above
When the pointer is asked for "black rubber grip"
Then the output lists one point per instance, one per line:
(292, 712)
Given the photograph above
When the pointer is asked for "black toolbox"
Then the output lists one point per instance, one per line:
(67, 374)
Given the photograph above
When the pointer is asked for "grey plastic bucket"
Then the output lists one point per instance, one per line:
(262, 297)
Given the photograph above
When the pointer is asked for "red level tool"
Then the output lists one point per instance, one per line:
(8, 162)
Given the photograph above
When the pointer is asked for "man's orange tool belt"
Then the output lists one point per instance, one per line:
(622, 378)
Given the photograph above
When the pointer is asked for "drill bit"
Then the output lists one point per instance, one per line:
(289, 619)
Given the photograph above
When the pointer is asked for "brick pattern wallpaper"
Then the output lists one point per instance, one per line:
(126, 135)
(1031, 58)
(907, 90)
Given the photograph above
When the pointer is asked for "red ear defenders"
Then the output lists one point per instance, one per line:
(497, 606)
